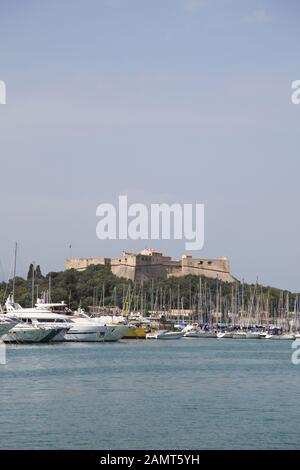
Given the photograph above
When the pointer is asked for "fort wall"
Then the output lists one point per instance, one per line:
(80, 264)
(152, 264)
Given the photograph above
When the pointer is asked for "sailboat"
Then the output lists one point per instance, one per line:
(275, 333)
(225, 334)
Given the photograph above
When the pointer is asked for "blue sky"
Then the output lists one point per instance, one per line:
(166, 101)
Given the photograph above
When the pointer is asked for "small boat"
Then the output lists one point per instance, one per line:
(263, 335)
(275, 333)
(239, 335)
(170, 335)
(282, 336)
(152, 335)
(246, 335)
(200, 334)
(255, 335)
(225, 334)
(165, 335)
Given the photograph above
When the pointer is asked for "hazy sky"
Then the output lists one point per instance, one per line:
(163, 100)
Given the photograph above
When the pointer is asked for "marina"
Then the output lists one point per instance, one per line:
(43, 324)
(199, 307)
(48, 322)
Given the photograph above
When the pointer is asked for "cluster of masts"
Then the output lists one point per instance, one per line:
(204, 305)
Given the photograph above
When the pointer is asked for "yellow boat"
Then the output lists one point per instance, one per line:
(137, 333)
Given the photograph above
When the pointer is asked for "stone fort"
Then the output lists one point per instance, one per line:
(151, 264)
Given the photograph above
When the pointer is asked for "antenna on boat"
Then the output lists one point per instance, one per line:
(15, 270)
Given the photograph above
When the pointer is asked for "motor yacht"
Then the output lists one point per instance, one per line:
(77, 326)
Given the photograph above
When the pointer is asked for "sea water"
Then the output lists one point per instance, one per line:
(180, 394)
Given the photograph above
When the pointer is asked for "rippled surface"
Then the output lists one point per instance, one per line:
(186, 394)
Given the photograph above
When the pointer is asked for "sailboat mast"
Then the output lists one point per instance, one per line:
(32, 287)
(200, 320)
(142, 297)
(178, 301)
(49, 291)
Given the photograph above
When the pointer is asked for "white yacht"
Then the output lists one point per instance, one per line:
(97, 328)
(33, 327)
(24, 333)
(70, 326)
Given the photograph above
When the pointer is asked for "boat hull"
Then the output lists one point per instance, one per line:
(26, 335)
(254, 336)
(96, 333)
(169, 335)
(280, 337)
(200, 334)
(136, 333)
(55, 334)
(239, 335)
(5, 328)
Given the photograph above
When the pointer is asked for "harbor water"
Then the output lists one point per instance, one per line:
(183, 394)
